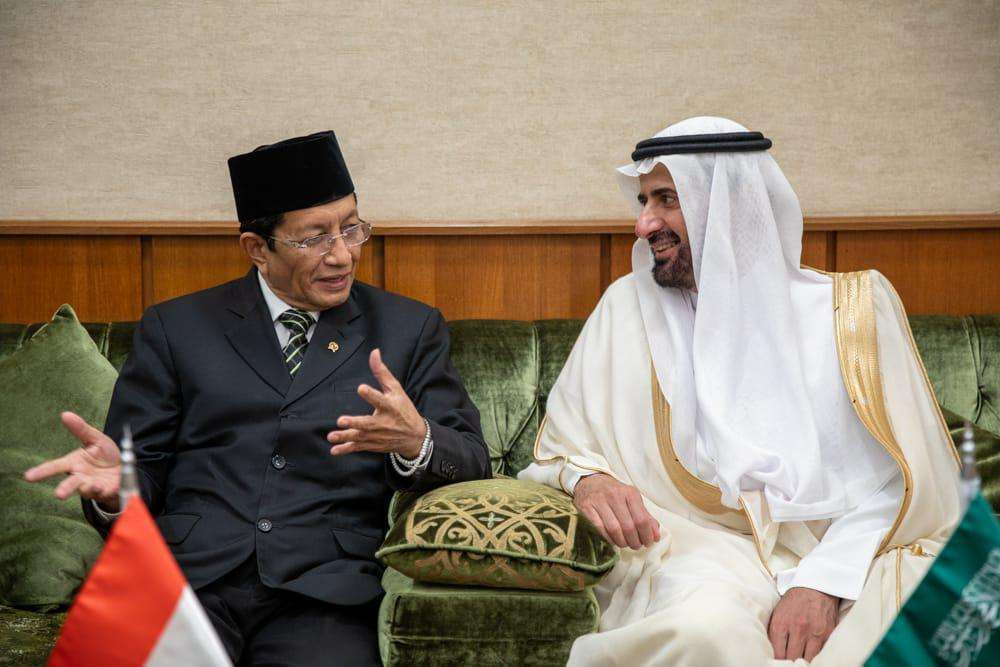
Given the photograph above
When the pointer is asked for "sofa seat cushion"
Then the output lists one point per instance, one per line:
(27, 637)
(498, 532)
(429, 624)
(46, 546)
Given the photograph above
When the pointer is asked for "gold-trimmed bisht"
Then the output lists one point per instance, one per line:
(857, 348)
(703, 495)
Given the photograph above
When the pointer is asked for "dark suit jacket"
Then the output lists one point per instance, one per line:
(232, 453)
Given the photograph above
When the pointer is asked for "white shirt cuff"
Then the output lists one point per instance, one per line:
(839, 564)
(570, 476)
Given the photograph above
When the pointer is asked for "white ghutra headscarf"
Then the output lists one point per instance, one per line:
(752, 373)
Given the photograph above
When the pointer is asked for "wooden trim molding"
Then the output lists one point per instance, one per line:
(478, 227)
(863, 223)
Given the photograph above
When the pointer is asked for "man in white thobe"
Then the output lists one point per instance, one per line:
(760, 439)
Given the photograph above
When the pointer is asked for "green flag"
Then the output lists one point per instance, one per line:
(953, 616)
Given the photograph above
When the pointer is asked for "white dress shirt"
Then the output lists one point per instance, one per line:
(276, 307)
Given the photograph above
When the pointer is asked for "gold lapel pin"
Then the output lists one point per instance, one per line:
(333, 346)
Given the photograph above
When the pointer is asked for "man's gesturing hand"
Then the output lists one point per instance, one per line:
(616, 510)
(801, 623)
(94, 470)
(396, 426)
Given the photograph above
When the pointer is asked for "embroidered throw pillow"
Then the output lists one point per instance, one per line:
(499, 532)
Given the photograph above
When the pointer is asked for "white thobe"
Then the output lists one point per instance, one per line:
(704, 593)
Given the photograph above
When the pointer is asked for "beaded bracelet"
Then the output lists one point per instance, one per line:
(406, 467)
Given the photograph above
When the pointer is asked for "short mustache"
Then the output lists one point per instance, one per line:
(663, 235)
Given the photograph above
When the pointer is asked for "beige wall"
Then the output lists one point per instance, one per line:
(491, 110)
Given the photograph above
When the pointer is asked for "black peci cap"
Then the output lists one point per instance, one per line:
(289, 175)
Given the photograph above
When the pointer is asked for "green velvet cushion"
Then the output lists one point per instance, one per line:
(46, 546)
(426, 624)
(498, 532)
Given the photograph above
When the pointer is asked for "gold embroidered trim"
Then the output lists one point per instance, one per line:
(857, 347)
(899, 580)
(538, 439)
(706, 497)
(541, 461)
(923, 371)
(756, 536)
(914, 549)
(498, 532)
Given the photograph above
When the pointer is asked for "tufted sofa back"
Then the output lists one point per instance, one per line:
(510, 366)
(962, 357)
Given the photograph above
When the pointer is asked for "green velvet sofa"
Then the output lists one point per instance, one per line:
(509, 368)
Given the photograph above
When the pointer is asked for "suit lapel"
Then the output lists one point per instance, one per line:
(343, 325)
(253, 335)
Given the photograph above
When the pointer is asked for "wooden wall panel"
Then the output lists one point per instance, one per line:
(621, 255)
(113, 272)
(934, 271)
(181, 265)
(99, 277)
(817, 250)
(506, 277)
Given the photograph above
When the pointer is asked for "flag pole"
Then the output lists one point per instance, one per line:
(129, 485)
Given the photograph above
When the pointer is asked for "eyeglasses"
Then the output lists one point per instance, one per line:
(353, 235)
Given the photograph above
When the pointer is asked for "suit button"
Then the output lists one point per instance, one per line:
(264, 525)
(278, 461)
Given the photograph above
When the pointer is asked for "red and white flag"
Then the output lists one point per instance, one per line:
(136, 608)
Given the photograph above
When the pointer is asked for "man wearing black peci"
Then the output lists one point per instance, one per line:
(274, 416)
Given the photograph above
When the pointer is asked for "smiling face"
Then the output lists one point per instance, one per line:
(299, 277)
(661, 223)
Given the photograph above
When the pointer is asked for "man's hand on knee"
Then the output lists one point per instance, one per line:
(616, 510)
(801, 623)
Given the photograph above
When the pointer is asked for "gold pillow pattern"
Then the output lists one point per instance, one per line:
(499, 532)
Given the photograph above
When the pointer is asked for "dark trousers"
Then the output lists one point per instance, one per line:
(265, 626)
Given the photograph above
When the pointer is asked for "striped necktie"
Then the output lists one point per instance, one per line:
(297, 322)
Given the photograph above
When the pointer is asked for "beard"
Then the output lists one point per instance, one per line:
(677, 272)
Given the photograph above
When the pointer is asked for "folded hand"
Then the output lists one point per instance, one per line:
(801, 623)
(616, 510)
